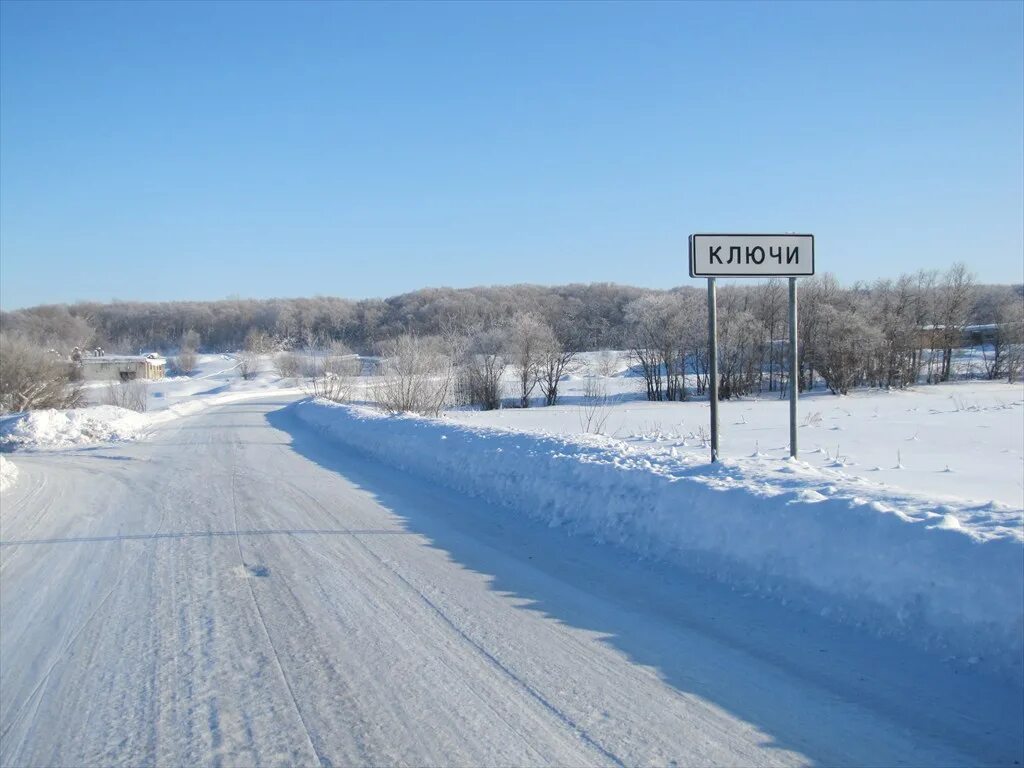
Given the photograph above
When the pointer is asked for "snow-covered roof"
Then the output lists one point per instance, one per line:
(153, 359)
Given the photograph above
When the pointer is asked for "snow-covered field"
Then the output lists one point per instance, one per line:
(961, 441)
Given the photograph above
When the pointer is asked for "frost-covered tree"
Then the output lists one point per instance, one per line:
(845, 347)
(415, 375)
(185, 362)
(528, 337)
(1003, 354)
(32, 377)
(483, 365)
(954, 303)
(557, 357)
(770, 310)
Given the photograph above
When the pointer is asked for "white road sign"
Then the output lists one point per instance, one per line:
(751, 255)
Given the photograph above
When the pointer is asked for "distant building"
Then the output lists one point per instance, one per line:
(102, 367)
(972, 335)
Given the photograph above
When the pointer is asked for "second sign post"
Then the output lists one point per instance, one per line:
(717, 255)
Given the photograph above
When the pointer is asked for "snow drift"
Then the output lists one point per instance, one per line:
(896, 564)
(8, 474)
(77, 426)
(58, 429)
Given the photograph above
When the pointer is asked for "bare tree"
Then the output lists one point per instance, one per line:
(248, 364)
(770, 310)
(593, 410)
(415, 376)
(51, 327)
(286, 365)
(188, 347)
(892, 307)
(925, 322)
(844, 346)
(185, 362)
(1002, 355)
(32, 378)
(332, 373)
(954, 303)
(258, 342)
(529, 339)
(483, 365)
(816, 294)
(645, 318)
(693, 338)
(557, 358)
(128, 393)
(606, 364)
(739, 347)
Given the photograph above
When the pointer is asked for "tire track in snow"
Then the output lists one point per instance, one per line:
(567, 721)
(22, 504)
(69, 641)
(439, 658)
(259, 613)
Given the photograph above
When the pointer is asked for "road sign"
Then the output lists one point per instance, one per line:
(714, 256)
(751, 255)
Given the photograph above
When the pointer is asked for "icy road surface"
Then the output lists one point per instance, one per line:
(235, 591)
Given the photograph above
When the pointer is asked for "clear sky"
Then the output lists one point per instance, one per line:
(199, 150)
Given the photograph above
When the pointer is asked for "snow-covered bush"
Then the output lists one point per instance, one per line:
(287, 365)
(130, 394)
(415, 376)
(8, 474)
(330, 374)
(31, 377)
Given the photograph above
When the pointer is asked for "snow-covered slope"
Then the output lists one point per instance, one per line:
(944, 575)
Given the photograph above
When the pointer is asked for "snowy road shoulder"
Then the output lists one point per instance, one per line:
(59, 429)
(941, 574)
(8, 474)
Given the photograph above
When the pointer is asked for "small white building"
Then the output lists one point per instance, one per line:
(104, 367)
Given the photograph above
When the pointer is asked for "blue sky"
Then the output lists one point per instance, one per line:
(199, 150)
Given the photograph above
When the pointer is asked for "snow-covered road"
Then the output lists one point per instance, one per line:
(236, 591)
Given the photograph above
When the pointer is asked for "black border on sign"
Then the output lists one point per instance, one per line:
(693, 254)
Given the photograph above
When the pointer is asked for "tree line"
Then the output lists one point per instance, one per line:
(889, 333)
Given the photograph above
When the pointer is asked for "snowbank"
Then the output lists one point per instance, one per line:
(77, 426)
(898, 564)
(8, 474)
(56, 429)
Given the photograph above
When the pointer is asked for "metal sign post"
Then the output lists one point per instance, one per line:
(714, 256)
(794, 370)
(713, 365)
